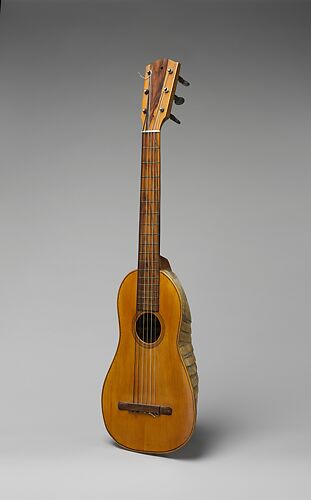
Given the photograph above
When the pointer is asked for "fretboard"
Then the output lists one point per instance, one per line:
(149, 224)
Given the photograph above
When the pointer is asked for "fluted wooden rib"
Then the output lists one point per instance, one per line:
(185, 337)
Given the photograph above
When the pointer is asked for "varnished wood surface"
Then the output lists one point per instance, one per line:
(160, 82)
(149, 225)
(142, 432)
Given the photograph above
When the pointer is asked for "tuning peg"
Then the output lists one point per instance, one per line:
(173, 117)
(178, 100)
(183, 81)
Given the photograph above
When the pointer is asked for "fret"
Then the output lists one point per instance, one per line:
(154, 288)
(150, 234)
(150, 177)
(153, 251)
(150, 304)
(149, 224)
(141, 287)
(150, 244)
(149, 280)
(150, 162)
(147, 303)
(149, 202)
(150, 286)
(145, 298)
(151, 147)
(148, 253)
(152, 297)
(145, 288)
(149, 289)
(149, 298)
(153, 303)
(154, 261)
(149, 213)
(142, 295)
(147, 210)
(152, 190)
(153, 280)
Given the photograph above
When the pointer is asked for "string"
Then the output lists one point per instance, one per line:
(141, 271)
(146, 263)
(152, 253)
(146, 300)
(157, 184)
(154, 291)
(157, 248)
(149, 265)
(148, 255)
(137, 379)
(144, 207)
(150, 259)
(153, 265)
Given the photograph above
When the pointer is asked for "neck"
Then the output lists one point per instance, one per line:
(149, 224)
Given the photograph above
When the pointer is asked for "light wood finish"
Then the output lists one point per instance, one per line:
(149, 397)
(173, 384)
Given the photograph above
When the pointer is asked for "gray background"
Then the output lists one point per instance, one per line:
(235, 225)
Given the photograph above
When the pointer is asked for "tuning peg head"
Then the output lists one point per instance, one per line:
(178, 100)
(183, 81)
(173, 117)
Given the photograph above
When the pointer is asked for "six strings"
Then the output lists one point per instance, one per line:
(148, 269)
(144, 390)
(148, 263)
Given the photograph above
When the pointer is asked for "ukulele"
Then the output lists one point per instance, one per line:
(149, 397)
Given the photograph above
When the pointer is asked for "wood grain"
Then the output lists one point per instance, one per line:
(174, 387)
(149, 225)
(160, 80)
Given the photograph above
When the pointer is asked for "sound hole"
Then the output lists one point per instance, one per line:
(148, 328)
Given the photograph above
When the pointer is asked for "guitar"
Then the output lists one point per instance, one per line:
(149, 397)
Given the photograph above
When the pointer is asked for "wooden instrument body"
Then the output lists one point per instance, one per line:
(174, 386)
(150, 392)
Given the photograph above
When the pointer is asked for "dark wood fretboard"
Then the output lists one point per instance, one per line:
(149, 224)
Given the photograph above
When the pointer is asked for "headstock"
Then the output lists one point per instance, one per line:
(160, 81)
